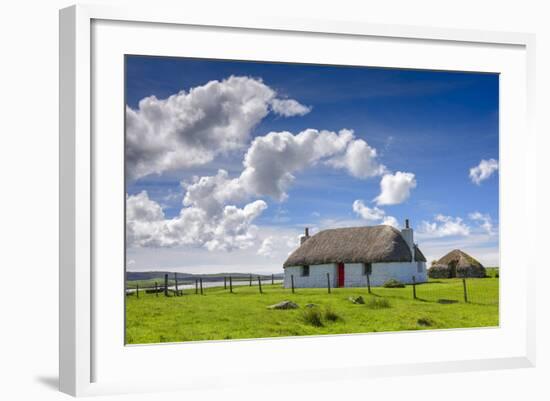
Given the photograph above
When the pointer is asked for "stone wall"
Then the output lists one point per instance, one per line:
(444, 271)
(471, 271)
(439, 271)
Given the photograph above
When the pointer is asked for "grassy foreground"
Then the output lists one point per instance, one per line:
(218, 314)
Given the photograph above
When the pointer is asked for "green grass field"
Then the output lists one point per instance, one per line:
(219, 314)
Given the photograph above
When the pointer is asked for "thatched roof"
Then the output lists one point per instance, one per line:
(462, 259)
(371, 244)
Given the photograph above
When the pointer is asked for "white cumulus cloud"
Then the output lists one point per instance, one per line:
(268, 167)
(483, 170)
(390, 221)
(360, 160)
(395, 188)
(289, 107)
(444, 226)
(192, 128)
(278, 246)
(373, 215)
(484, 221)
(369, 214)
(272, 160)
(225, 228)
(211, 193)
(266, 248)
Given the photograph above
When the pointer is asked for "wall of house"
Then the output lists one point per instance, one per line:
(317, 276)
(382, 272)
(401, 271)
(354, 277)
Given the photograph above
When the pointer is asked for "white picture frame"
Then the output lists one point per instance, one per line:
(84, 343)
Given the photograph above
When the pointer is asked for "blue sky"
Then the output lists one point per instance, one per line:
(436, 126)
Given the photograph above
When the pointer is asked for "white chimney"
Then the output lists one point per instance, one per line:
(407, 234)
(304, 237)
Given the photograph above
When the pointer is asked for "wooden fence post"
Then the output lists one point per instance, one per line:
(230, 284)
(137, 290)
(250, 281)
(414, 287)
(200, 281)
(156, 289)
(272, 279)
(292, 282)
(176, 280)
(260, 284)
(328, 282)
(368, 282)
(465, 292)
(166, 285)
(224, 283)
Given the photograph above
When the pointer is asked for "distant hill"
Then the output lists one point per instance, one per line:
(151, 275)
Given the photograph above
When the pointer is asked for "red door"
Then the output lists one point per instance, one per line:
(341, 275)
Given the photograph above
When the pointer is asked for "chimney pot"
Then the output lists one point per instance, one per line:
(305, 237)
(407, 223)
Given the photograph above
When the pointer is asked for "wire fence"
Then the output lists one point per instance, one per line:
(442, 291)
(479, 293)
(449, 291)
(177, 287)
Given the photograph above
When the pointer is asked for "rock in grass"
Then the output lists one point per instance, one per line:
(426, 322)
(284, 305)
(357, 300)
(311, 306)
(393, 283)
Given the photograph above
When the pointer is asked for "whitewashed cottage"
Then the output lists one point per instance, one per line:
(348, 255)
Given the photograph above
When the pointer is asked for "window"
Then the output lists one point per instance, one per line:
(367, 269)
(419, 268)
(305, 271)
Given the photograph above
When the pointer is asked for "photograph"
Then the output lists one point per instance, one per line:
(275, 199)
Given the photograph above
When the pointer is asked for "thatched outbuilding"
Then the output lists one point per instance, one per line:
(349, 254)
(456, 264)
(438, 270)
